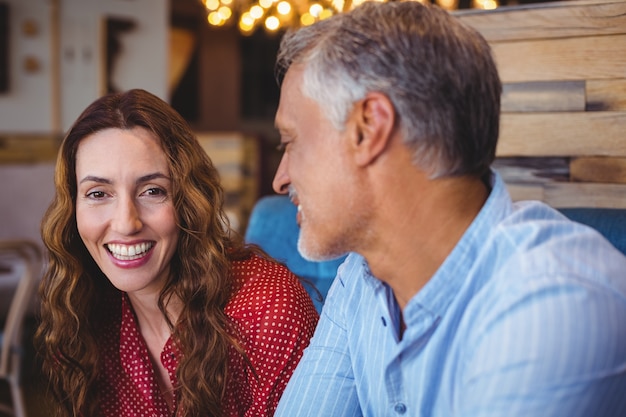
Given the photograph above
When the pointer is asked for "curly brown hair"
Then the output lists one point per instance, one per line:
(72, 287)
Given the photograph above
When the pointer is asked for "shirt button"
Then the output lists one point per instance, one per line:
(400, 408)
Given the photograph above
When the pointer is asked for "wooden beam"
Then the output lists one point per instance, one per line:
(598, 169)
(573, 194)
(559, 19)
(544, 96)
(521, 192)
(532, 170)
(562, 134)
(606, 95)
(592, 57)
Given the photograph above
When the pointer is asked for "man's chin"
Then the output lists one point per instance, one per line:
(306, 251)
(317, 253)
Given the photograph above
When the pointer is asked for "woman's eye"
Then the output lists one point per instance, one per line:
(155, 191)
(96, 195)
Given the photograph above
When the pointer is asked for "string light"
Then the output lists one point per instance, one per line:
(274, 15)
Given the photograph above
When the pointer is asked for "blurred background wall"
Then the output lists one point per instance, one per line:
(57, 56)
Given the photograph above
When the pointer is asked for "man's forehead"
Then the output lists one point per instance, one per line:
(293, 76)
(291, 94)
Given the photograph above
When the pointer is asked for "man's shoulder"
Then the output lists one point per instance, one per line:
(545, 275)
(536, 239)
(540, 273)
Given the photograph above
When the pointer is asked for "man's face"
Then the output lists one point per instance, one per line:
(317, 170)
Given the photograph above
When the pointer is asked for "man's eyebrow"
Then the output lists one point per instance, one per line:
(285, 131)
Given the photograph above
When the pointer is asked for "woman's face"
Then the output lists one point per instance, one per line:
(124, 210)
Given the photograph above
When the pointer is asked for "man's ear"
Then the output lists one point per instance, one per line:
(374, 118)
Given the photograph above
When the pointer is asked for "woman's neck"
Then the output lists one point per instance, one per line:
(156, 331)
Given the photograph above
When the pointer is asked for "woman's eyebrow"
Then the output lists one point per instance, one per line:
(151, 177)
(93, 178)
(140, 180)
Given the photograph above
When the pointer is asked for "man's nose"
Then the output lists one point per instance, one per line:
(127, 220)
(281, 178)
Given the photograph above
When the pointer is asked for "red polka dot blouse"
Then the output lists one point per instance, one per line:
(275, 318)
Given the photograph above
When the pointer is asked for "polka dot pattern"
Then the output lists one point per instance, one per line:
(274, 319)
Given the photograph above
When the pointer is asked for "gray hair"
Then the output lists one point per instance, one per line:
(438, 73)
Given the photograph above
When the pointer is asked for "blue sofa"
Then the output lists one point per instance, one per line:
(272, 225)
(610, 222)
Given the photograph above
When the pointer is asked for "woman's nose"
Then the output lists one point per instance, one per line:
(281, 178)
(127, 220)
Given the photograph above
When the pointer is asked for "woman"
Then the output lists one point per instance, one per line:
(151, 305)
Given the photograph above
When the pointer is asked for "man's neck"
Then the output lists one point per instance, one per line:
(419, 229)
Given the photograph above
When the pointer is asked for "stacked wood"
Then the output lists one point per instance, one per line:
(236, 158)
(563, 68)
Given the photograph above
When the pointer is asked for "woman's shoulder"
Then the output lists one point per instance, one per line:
(257, 273)
(261, 284)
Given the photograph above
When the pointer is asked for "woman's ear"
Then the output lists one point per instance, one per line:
(374, 121)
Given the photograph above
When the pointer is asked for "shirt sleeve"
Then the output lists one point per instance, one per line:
(323, 384)
(558, 350)
(276, 319)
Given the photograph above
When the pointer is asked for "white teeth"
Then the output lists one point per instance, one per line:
(299, 208)
(129, 252)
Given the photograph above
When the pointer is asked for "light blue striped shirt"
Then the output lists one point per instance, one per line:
(526, 317)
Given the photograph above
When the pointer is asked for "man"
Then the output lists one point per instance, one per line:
(455, 301)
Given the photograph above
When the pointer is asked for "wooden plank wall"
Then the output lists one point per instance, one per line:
(563, 126)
